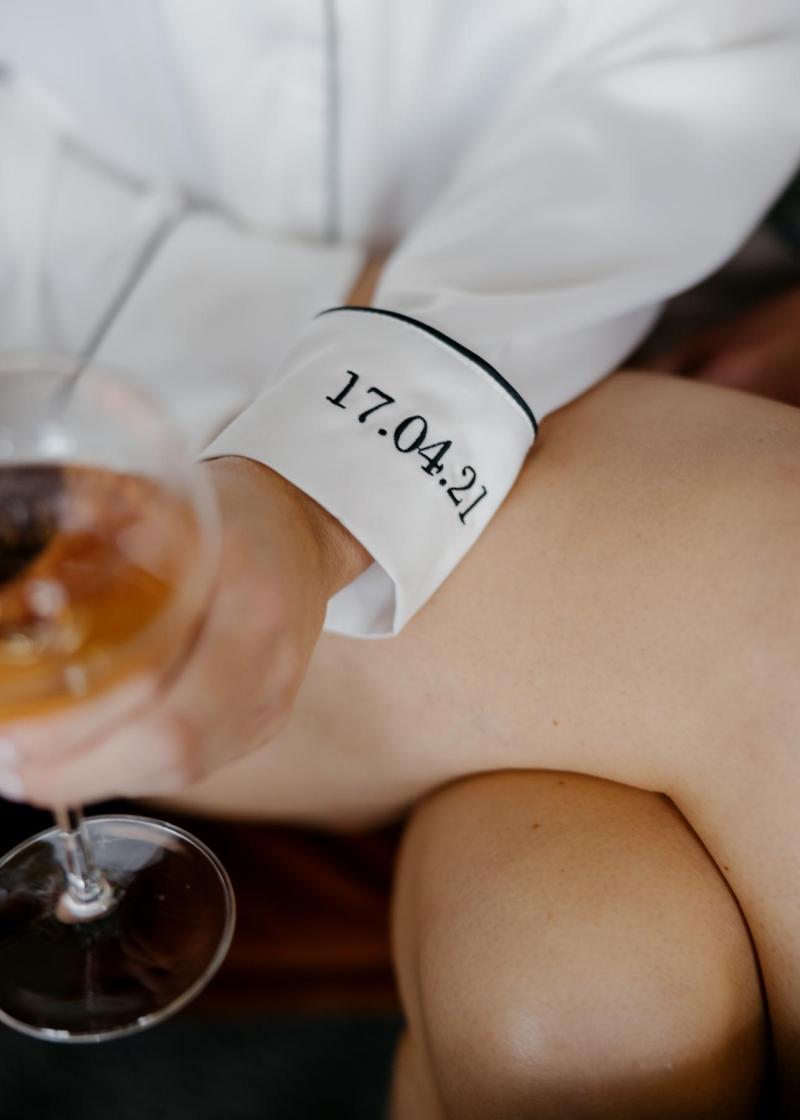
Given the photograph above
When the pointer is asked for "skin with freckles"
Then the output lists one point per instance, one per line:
(565, 947)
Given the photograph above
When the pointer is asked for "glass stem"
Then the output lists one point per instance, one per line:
(84, 881)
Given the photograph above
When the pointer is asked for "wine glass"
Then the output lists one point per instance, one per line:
(108, 549)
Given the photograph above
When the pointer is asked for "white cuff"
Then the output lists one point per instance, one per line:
(407, 438)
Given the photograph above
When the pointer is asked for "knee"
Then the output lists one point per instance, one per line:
(585, 1034)
(591, 985)
(623, 1042)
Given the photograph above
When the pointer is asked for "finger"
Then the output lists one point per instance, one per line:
(236, 689)
(196, 727)
(236, 686)
(145, 757)
(137, 707)
(71, 729)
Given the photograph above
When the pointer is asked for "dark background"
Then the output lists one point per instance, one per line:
(300, 1023)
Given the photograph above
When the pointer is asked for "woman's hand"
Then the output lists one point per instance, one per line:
(758, 353)
(283, 556)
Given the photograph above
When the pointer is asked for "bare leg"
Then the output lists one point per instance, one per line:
(633, 613)
(566, 948)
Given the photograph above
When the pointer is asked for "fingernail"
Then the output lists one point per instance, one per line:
(8, 752)
(12, 786)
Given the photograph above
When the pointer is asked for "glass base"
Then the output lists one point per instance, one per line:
(162, 937)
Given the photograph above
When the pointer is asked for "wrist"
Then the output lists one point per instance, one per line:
(341, 558)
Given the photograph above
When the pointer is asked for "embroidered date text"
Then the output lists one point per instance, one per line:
(409, 435)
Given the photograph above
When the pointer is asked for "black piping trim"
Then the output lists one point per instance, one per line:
(451, 342)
